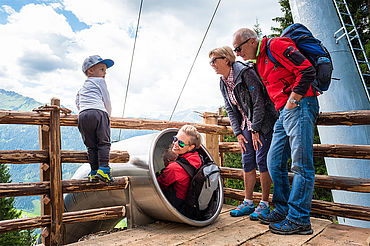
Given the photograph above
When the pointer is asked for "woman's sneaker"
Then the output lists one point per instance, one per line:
(243, 209)
(104, 174)
(92, 176)
(262, 208)
(287, 227)
(272, 217)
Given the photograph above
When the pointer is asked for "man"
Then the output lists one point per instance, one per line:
(289, 87)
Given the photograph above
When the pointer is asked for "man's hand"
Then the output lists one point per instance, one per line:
(256, 140)
(242, 141)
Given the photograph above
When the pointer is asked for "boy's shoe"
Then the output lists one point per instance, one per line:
(92, 176)
(261, 209)
(287, 227)
(243, 209)
(272, 217)
(104, 174)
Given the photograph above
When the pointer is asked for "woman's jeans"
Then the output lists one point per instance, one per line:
(293, 137)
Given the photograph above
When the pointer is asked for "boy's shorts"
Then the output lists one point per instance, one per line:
(252, 158)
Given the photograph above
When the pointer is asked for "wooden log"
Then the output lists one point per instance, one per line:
(322, 181)
(56, 194)
(324, 150)
(68, 186)
(347, 118)
(320, 207)
(67, 156)
(44, 177)
(33, 118)
(68, 217)
(212, 141)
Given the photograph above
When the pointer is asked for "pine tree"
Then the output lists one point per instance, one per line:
(257, 29)
(7, 212)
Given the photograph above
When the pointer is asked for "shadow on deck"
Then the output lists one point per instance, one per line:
(229, 230)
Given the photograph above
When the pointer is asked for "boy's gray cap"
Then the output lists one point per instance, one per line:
(93, 60)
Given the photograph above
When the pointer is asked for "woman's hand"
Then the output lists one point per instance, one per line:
(256, 140)
(242, 141)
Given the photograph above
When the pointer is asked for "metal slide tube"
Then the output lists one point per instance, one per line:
(147, 200)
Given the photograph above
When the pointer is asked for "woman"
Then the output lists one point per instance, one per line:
(174, 180)
(252, 117)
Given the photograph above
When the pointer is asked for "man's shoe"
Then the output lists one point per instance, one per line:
(103, 174)
(261, 209)
(287, 227)
(272, 217)
(243, 209)
(92, 176)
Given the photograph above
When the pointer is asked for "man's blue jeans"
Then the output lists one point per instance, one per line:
(293, 137)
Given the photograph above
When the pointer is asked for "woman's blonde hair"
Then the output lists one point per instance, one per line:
(226, 52)
(192, 132)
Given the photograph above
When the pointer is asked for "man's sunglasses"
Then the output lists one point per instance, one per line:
(213, 60)
(181, 143)
(238, 49)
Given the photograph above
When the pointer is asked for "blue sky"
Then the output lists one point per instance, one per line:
(44, 43)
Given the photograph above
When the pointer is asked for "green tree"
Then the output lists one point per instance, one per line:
(257, 29)
(284, 21)
(7, 212)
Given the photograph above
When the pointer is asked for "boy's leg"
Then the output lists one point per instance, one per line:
(87, 123)
(103, 135)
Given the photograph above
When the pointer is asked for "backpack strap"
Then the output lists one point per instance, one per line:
(189, 169)
(270, 56)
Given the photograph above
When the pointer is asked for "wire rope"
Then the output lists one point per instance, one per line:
(132, 59)
(196, 56)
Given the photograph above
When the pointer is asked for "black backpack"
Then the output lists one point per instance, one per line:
(203, 184)
(313, 50)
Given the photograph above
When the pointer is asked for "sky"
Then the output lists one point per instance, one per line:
(44, 43)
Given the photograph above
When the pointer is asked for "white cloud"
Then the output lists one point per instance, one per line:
(42, 55)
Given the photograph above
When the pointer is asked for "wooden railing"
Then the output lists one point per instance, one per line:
(51, 187)
(323, 150)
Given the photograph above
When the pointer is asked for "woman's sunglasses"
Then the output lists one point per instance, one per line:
(181, 143)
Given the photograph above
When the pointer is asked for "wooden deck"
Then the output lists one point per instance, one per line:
(229, 230)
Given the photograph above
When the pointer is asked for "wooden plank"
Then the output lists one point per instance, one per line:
(68, 186)
(349, 118)
(56, 194)
(68, 217)
(323, 181)
(324, 150)
(341, 235)
(164, 233)
(226, 230)
(212, 141)
(33, 118)
(69, 156)
(269, 238)
(44, 177)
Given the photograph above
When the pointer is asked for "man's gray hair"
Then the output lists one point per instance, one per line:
(246, 33)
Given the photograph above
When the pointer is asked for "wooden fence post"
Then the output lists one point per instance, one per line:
(56, 193)
(212, 140)
(45, 176)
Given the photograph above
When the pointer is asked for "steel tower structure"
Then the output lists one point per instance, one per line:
(346, 94)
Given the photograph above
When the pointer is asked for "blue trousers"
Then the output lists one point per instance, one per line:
(293, 137)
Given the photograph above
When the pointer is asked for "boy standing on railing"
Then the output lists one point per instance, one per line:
(93, 103)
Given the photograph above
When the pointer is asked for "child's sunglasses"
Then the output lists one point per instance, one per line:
(181, 143)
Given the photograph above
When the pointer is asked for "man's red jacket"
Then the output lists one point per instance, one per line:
(295, 74)
(176, 175)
